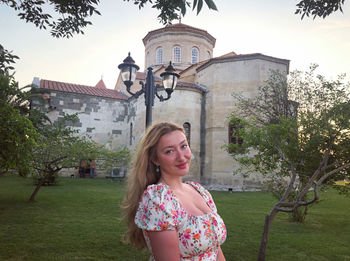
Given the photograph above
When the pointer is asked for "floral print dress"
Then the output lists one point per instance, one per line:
(199, 236)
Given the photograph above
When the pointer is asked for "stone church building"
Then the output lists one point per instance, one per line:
(201, 102)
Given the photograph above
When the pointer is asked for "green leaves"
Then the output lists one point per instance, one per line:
(303, 124)
(321, 8)
(171, 10)
(18, 136)
(110, 159)
(211, 4)
(6, 61)
(199, 5)
(60, 146)
(71, 17)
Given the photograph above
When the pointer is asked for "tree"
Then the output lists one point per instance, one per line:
(18, 136)
(110, 159)
(17, 132)
(19, 124)
(321, 8)
(305, 142)
(6, 61)
(59, 147)
(18, 98)
(73, 15)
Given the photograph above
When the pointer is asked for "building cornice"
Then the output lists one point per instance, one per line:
(243, 57)
(180, 28)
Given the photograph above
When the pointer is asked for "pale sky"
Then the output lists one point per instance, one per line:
(269, 27)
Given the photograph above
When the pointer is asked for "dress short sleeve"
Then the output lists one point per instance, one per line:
(158, 209)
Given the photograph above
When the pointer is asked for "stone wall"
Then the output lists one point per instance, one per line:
(103, 119)
(222, 79)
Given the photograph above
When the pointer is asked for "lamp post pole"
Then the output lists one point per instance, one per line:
(149, 96)
(128, 73)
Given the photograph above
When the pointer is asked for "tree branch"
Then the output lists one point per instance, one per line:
(321, 168)
(57, 159)
(325, 176)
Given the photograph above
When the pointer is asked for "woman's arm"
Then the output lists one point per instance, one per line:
(221, 256)
(165, 245)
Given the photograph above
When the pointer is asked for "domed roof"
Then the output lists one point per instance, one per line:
(179, 27)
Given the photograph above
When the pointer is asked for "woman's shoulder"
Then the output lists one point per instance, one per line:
(158, 193)
(157, 189)
(158, 209)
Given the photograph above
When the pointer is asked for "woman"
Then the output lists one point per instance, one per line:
(175, 220)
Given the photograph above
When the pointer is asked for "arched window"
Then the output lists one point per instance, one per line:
(233, 133)
(159, 55)
(130, 134)
(195, 54)
(187, 128)
(208, 55)
(177, 54)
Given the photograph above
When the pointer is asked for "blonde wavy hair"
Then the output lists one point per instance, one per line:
(142, 174)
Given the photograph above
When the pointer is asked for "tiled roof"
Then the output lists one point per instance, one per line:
(180, 28)
(101, 84)
(81, 89)
(230, 54)
(161, 68)
(192, 66)
(140, 75)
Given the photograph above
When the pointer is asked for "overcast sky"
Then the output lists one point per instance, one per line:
(269, 27)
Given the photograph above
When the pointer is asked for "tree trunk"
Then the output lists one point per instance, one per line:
(299, 214)
(38, 186)
(264, 238)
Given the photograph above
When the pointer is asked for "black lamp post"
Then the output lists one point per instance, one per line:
(128, 72)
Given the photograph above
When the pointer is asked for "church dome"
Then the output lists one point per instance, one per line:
(182, 44)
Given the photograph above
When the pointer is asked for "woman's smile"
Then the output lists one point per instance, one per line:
(182, 165)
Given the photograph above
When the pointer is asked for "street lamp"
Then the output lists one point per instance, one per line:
(128, 71)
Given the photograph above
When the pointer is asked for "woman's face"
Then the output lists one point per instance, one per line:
(173, 154)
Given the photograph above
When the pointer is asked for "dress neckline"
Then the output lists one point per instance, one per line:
(181, 206)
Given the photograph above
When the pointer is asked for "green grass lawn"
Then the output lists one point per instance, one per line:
(79, 219)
